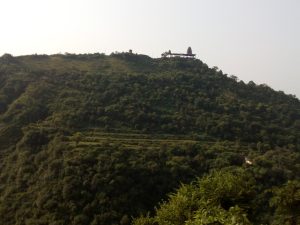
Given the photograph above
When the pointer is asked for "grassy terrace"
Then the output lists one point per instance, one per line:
(97, 138)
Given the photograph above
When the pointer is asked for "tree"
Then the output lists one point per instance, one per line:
(286, 202)
(223, 197)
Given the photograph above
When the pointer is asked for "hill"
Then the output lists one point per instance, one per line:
(96, 139)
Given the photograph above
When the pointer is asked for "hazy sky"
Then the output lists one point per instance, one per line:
(255, 40)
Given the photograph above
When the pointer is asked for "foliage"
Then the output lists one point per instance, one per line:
(96, 139)
(287, 203)
(220, 198)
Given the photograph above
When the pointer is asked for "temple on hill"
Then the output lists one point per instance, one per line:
(189, 54)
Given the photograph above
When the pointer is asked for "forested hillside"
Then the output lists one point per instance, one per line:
(127, 139)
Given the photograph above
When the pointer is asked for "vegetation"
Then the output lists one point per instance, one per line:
(94, 139)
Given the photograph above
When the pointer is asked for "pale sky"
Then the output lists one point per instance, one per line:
(255, 40)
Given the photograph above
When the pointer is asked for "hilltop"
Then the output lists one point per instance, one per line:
(96, 139)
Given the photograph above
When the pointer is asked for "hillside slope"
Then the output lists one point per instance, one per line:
(139, 93)
(95, 139)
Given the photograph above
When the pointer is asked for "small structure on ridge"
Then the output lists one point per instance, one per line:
(189, 54)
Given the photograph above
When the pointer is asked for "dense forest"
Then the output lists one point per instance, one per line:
(125, 139)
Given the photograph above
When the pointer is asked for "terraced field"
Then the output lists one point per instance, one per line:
(98, 138)
(128, 140)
